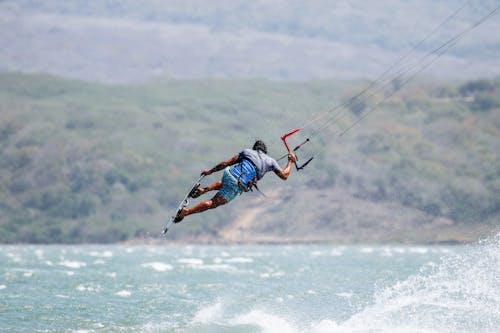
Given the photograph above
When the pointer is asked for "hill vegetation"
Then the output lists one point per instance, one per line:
(87, 162)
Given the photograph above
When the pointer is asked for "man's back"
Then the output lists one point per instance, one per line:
(262, 162)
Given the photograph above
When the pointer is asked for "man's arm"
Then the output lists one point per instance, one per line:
(285, 172)
(221, 166)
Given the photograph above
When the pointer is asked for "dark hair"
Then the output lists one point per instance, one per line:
(260, 145)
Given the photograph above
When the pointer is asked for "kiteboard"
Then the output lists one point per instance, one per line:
(183, 203)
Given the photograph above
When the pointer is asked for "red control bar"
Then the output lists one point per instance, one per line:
(286, 135)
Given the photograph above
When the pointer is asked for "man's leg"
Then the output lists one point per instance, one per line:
(213, 187)
(216, 201)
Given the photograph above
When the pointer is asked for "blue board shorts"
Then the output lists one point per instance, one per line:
(230, 188)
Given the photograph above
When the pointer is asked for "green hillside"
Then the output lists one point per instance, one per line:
(84, 162)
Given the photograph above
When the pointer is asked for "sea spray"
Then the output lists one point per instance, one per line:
(460, 294)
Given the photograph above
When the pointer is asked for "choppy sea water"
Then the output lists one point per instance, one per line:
(282, 289)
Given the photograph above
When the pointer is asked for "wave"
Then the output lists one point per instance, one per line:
(123, 293)
(72, 264)
(210, 313)
(268, 323)
(458, 294)
(190, 261)
(158, 266)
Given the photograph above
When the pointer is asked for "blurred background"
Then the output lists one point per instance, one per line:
(109, 110)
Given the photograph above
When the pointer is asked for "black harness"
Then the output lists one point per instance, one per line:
(252, 183)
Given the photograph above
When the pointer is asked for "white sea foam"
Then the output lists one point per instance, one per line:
(217, 267)
(39, 254)
(123, 293)
(272, 274)
(399, 250)
(104, 254)
(2, 286)
(271, 323)
(336, 252)
(419, 250)
(209, 314)
(345, 294)
(325, 326)
(267, 323)
(240, 260)
(72, 264)
(460, 294)
(367, 250)
(14, 257)
(190, 261)
(158, 266)
(28, 273)
(88, 287)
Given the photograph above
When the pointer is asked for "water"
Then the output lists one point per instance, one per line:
(282, 289)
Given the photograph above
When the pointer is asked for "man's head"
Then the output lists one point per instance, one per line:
(260, 145)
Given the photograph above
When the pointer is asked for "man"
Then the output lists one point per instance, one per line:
(241, 172)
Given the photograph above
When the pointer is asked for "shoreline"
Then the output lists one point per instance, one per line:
(449, 236)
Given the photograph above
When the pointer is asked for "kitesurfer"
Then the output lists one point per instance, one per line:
(241, 173)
